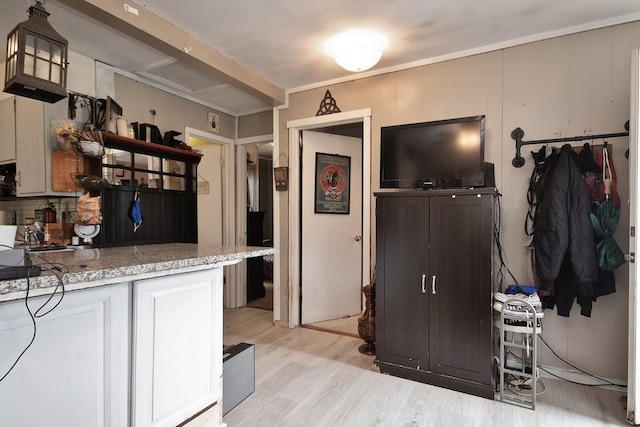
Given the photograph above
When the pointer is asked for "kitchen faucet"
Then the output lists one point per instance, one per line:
(30, 236)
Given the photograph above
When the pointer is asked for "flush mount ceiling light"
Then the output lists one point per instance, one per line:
(356, 50)
(36, 62)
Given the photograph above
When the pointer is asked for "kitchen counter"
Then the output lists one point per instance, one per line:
(138, 342)
(85, 268)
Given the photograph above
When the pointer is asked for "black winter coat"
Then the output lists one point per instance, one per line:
(563, 238)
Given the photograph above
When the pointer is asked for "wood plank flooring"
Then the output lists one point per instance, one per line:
(345, 325)
(306, 377)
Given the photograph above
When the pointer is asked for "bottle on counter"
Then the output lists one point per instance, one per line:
(50, 213)
(47, 235)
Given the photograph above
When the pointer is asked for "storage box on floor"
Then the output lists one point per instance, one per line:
(238, 375)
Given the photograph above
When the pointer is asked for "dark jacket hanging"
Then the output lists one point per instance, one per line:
(563, 240)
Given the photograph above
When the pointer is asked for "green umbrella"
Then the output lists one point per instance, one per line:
(604, 219)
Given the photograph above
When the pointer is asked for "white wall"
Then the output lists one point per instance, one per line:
(566, 86)
(172, 112)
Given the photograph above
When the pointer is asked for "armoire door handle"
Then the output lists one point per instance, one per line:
(424, 282)
(433, 284)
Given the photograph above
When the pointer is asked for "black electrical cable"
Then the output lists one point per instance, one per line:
(497, 229)
(58, 273)
(605, 381)
(34, 315)
(33, 336)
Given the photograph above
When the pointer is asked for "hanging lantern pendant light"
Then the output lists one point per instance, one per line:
(36, 62)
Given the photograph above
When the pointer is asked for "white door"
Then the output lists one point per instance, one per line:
(633, 399)
(331, 258)
(210, 200)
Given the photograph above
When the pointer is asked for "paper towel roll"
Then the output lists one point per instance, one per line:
(7, 236)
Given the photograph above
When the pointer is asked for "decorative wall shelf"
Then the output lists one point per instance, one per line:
(129, 144)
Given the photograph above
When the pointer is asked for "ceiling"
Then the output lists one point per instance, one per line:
(276, 45)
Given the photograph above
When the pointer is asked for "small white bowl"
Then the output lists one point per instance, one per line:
(91, 148)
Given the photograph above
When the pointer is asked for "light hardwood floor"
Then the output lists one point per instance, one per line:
(306, 377)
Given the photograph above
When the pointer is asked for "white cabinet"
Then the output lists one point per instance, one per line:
(177, 342)
(7, 130)
(144, 353)
(31, 152)
(75, 372)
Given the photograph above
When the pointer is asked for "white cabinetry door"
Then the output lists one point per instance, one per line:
(7, 130)
(177, 347)
(75, 372)
(30, 147)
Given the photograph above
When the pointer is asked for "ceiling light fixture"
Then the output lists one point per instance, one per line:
(356, 50)
(36, 62)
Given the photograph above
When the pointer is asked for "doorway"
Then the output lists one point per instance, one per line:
(317, 123)
(633, 372)
(215, 179)
(331, 241)
(254, 206)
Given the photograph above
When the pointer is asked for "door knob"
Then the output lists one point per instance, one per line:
(358, 238)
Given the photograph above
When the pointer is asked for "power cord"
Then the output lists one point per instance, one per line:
(524, 389)
(57, 270)
(33, 336)
(497, 230)
(605, 381)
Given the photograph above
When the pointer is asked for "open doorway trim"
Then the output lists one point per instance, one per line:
(228, 196)
(295, 126)
(241, 212)
(633, 357)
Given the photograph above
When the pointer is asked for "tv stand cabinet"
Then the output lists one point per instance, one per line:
(434, 287)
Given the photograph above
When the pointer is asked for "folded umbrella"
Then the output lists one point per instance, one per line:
(604, 219)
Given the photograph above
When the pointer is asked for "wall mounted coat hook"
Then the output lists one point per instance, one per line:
(517, 134)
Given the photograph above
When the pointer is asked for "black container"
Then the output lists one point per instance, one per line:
(149, 133)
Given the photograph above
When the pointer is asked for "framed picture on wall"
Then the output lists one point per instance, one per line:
(113, 111)
(332, 183)
(213, 122)
(281, 178)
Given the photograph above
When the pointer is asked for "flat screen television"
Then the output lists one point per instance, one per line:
(439, 154)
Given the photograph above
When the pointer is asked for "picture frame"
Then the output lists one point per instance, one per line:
(113, 111)
(213, 121)
(332, 183)
(281, 178)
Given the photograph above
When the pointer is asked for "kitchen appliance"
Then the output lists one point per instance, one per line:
(15, 263)
(86, 232)
(7, 217)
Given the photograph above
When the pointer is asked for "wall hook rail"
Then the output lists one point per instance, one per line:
(517, 134)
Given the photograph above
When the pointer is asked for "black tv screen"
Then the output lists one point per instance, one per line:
(444, 153)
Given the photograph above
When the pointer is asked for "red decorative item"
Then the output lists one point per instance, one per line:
(609, 176)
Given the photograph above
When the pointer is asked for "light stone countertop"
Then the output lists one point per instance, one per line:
(86, 268)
